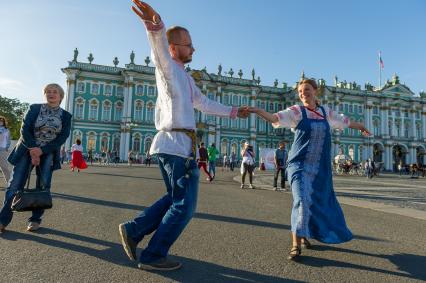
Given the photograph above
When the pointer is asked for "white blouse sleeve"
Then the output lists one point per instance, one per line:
(336, 120)
(288, 118)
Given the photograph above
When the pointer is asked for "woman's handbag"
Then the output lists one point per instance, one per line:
(30, 199)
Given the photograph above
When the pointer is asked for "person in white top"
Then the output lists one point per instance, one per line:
(174, 144)
(4, 148)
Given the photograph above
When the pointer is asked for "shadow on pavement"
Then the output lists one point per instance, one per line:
(193, 270)
(198, 215)
(201, 271)
(126, 176)
(412, 266)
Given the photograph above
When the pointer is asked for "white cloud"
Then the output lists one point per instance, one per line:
(8, 85)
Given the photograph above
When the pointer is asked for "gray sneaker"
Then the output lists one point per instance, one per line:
(163, 264)
(33, 226)
(128, 244)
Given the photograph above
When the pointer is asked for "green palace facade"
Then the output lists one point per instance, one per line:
(113, 109)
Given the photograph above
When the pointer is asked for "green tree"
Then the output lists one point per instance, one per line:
(14, 111)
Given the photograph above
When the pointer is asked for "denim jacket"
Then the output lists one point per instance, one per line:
(27, 139)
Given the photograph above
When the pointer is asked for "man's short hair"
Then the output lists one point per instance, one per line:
(174, 34)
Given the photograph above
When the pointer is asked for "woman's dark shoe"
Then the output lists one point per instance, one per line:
(306, 244)
(294, 253)
(2, 228)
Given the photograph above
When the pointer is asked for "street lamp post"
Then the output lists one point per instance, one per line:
(126, 126)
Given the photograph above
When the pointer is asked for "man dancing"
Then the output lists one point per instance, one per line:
(174, 144)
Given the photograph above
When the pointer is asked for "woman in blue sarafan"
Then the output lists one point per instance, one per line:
(316, 214)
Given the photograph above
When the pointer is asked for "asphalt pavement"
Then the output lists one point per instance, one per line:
(236, 236)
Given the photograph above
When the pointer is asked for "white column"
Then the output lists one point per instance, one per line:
(69, 105)
(217, 131)
(402, 126)
(413, 125)
(388, 157)
(253, 130)
(384, 122)
(424, 123)
(413, 154)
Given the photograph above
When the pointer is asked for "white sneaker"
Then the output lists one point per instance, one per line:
(275, 189)
(251, 186)
(33, 226)
(242, 186)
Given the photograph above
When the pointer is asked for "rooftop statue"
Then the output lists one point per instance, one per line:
(75, 55)
(132, 57)
(219, 70)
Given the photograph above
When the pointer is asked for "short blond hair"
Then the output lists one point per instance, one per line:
(58, 87)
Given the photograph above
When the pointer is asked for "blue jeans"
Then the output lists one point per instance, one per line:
(19, 179)
(171, 213)
(212, 168)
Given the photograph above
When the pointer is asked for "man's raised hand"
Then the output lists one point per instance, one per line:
(146, 12)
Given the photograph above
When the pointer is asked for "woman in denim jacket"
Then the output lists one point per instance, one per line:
(44, 129)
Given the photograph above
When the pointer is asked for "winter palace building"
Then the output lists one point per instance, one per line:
(113, 109)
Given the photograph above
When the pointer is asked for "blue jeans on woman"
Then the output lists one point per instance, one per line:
(18, 181)
(171, 213)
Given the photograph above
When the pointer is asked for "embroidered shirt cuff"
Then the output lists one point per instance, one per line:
(151, 26)
(276, 124)
(234, 112)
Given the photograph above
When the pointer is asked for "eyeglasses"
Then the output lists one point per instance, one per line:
(189, 45)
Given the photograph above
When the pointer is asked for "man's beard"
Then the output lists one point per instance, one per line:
(187, 60)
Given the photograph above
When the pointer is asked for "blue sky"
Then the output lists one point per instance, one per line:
(278, 38)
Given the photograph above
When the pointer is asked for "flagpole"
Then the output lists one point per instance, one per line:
(380, 70)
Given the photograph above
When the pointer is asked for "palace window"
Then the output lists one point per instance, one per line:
(226, 99)
(150, 112)
(79, 109)
(225, 122)
(108, 90)
(406, 129)
(91, 141)
(139, 90)
(93, 110)
(106, 111)
(243, 123)
(360, 109)
(151, 91)
(138, 110)
(417, 115)
(271, 106)
(235, 100)
(262, 125)
(120, 91)
(340, 108)
(116, 144)
(80, 87)
(234, 123)
(376, 127)
(118, 111)
(147, 145)
(351, 108)
(104, 142)
(136, 143)
(95, 89)
(224, 147)
(375, 110)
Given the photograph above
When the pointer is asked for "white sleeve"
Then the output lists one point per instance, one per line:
(208, 106)
(288, 118)
(163, 61)
(336, 120)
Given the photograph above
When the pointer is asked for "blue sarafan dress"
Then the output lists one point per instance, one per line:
(316, 213)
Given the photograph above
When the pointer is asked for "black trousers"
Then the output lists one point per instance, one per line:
(277, 171)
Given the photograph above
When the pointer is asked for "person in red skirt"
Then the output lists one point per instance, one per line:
(77, 156)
